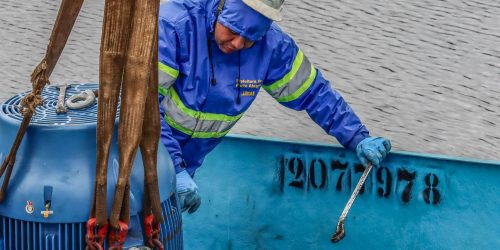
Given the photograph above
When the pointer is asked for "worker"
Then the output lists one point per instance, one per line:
(214, 57)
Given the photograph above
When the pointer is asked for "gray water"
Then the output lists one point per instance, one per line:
(425, 74)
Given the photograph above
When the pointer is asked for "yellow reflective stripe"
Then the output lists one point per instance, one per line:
(184, 130)
(197, 114)
(288, 77)
(302, 88)
(162, 91)
(173, 124)
(171, 71)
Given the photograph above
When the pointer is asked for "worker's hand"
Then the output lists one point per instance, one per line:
(373, 149)
(187, 190)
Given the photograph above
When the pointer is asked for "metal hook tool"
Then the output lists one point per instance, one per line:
(340, 232)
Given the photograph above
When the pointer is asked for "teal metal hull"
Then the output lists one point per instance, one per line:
(271, 194)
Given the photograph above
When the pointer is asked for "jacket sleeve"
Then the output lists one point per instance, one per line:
(295, 83)
(168, 71)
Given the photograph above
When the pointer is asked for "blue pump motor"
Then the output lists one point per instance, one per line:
(49, 196)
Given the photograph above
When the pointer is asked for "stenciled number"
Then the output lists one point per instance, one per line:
(315, 175)
(408, 176)
(296, 167)
(384, 192)
(431, 182)
(312, 174)
(337, 165)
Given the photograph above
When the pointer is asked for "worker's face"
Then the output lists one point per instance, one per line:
(228, 41)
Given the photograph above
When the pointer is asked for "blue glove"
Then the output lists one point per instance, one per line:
(373, 149)
(187, 190)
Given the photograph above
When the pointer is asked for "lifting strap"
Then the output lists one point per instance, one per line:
(39, 78)
(120, 211)
(151, 201)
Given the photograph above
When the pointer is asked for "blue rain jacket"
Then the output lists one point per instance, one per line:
(196, 114)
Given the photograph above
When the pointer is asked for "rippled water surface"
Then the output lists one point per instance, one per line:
(424, 73)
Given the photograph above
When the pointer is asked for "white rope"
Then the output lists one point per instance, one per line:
(82, 100)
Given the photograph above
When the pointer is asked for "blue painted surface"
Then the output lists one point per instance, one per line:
(255, 197)
(58, 152)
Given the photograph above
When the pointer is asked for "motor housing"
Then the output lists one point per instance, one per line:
(49, 195)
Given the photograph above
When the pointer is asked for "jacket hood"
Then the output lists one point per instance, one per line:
(241, 19)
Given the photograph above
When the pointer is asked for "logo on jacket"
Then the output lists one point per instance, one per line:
(249, 87)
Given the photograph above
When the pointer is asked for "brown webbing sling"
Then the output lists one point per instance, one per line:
(151, 127)
(39, 78)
